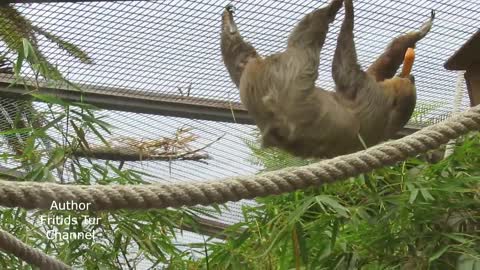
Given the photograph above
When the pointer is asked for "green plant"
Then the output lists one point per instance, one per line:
(15, 29)
(411, 216)
(122, 239)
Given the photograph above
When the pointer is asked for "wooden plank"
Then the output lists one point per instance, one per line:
(129, 100)
(468, 54)
(121, 99)
(472, 78)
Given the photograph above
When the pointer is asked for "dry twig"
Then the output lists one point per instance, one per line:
(166, 149)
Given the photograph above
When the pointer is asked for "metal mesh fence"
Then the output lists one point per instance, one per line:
(169, 47)
(172, 48)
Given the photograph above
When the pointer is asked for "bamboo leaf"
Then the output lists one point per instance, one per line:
(438, 253)
(302, 241)
(324, 199)
(98, 134)
(56, 157)
(51, 123)
(26, 46)
(426, 194)
(413, 195)
(80, 135)
(69, 47)
(457, 237)
(18, 65)
(16, 131)
(335, 230)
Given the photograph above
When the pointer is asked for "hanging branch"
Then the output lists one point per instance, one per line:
(135, 154)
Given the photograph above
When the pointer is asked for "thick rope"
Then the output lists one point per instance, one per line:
(33, 195)
(12, 245)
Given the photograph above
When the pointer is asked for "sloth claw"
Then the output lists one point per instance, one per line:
(427, 25)
(230, 8)
(412, 78)
(228, 22)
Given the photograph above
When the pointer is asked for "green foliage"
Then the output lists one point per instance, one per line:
(411, 216)
(272, 159)
(123, 239)
(20, 37)
(70, 48)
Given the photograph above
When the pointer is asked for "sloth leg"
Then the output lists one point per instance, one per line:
(235, 51)
(312, 29)
(389, 61)
(346, 71)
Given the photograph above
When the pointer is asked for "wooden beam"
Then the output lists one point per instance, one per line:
(472, 78)
(466, 56)
(129, 100)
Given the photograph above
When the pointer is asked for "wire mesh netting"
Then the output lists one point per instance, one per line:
(168, 47)
(172, 48)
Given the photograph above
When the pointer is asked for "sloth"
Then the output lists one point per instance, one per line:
(295, 115)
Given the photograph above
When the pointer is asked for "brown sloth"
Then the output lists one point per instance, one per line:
(293, 114)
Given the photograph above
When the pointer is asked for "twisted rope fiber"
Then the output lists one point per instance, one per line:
(33, 195)
(30, 255)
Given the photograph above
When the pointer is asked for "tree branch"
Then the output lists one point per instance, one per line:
(163, 149)
(126, 154)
